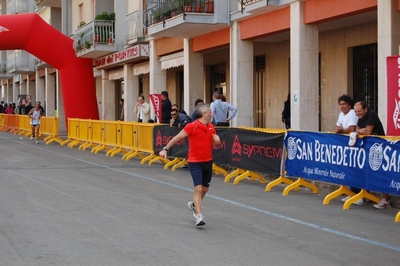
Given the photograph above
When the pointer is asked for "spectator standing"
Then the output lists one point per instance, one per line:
(35, 114)
(121, 116)
(202, 136)
(142, 110)
(2, 108)
(198, 101)
(28, 107)
(166, 107)
(370, 124)
(220, 111)
(10, 109)
(286, 112)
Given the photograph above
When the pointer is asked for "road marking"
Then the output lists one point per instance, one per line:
(249, 207)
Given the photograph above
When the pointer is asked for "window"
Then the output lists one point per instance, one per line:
(365, 75)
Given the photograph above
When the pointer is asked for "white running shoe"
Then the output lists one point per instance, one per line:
(352, 138)
(383, 204)
(37, 142)
(31, 137)
(199, 220)
(191, 207)
(346, 198)
(359, 202)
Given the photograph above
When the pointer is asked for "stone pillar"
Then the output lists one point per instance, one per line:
(131, 93)
(388, 43)
(40, 89)
(31, 87)
(193, 78)
(24, 85)
(107, 97)
(62, 123)
(241, 78)
(50, 95)
(303, 71)
(158, 77)
(15, 88)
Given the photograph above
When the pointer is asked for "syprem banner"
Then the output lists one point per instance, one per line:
(373, 163)
(245, 149)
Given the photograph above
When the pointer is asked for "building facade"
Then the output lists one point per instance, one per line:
(254, 52)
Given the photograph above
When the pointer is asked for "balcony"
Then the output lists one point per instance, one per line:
(134, 27)
(3, 71)
(50, 3)
(19, 62)
(39, 63)
(257, 7)
(185, 18)
(18, 6)
(95, 39)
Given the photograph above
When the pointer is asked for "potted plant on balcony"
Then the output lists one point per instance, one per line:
(187, 5)
(176, 7)
(157, 14)
(199, 8)
(210, 6)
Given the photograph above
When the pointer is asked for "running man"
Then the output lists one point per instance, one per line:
(35, 114)
(202, 136)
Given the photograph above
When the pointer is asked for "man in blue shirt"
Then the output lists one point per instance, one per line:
(220, 110)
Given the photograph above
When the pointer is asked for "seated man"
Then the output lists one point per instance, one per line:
(178, 119)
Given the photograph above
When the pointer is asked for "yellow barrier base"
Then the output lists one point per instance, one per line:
(74, 143)
(253, 176)
(50, 139)
(180, 164)
(132, 154)
(278, 181)
(152, 158)
(99, 148)
(170, 163)
(397, 218)
(115, 151)
(300, 182)
(363, 194)
(218, 170)
(340, 191)
(233, 174)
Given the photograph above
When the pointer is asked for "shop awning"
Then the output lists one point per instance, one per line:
(142, 68)
(173, 60)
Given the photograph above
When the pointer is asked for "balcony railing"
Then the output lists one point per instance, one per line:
(160, 10)
(19, 62)
(96, 38)
(39, 63)
(134, 27)
(244, 3)
(18, 6)
(4, 71)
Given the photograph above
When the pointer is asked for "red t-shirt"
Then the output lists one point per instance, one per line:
(200, 141)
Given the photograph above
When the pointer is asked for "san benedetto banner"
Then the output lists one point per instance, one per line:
(373, 163)
(245, 149)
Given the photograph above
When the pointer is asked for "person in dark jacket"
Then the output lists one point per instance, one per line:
(166, 107)
(286, 112)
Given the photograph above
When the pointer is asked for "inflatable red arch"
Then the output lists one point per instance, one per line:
(31, 33)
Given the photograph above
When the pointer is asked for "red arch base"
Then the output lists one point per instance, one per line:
(31, 33)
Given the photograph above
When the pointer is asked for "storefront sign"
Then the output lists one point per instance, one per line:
(134, 52)
(393, 95)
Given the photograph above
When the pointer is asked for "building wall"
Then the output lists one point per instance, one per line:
(335, 63)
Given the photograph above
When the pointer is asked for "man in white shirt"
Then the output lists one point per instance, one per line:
(347, 120)
(346, 124)
(142, 110)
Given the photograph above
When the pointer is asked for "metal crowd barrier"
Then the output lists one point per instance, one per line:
(20, 124)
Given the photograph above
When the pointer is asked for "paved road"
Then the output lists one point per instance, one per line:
(62, 206)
